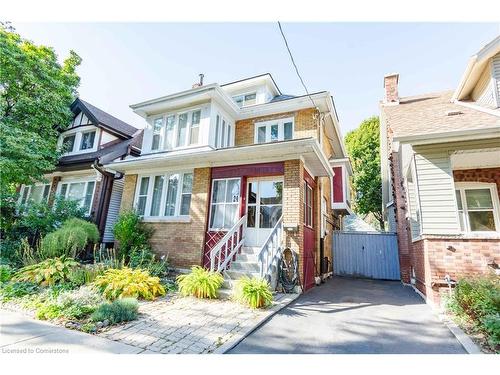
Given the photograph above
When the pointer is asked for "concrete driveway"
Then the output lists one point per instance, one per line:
(355, 316)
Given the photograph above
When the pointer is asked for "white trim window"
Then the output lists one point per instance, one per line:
(176, 130)
(274, 130)
(225, 203)
(477, 206)
(88, 140)
(81, 191)
(247, 99)
(68, 143)
(223, 132)
(308, 205)
(34, 193)
(166, 195)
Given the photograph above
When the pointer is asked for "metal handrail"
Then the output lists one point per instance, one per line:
(268, 258)
(232, 241)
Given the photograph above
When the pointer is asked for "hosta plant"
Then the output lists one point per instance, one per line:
(200, 283)
(254, 292)
(48, 272)
(126, 282)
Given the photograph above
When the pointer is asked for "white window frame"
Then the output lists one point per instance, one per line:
(222, 203)
(223, 138)
(308, 188)
(163, 132)
(178, 198)
(243, 104)
(281, 129)
(78, 133)
(462, 186)
(29, 189)
(94, 144)
(78, 181)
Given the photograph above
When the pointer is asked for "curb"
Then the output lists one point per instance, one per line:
(241, 336)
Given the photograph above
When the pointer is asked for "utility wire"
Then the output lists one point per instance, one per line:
(295, 65)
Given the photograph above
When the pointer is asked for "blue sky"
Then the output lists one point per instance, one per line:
(125, 63)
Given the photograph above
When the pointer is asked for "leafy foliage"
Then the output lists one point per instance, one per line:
(200, 283)
(120, 310)
(144, 258)
(478, 300)
(86, 274)
(12, 290)
(34, 102)
(363, 147)
(48, 272)
(130, 233)
(69, 240)
(5, 273)
(126, 282)
(254, 292)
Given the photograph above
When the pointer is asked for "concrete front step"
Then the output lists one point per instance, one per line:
(250, 250)
(245, 266)
(235, 275)
(225, 293)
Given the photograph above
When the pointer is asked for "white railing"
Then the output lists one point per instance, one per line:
(228, 246)
(271, 252)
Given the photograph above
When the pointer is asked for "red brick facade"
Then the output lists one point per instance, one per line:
(490, 175)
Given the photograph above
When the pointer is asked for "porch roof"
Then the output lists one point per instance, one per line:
(307, 149)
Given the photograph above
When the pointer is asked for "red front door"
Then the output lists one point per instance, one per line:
(309, 233)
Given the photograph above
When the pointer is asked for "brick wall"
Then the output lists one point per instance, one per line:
(490, 175)
(305, 125)
(182, 242)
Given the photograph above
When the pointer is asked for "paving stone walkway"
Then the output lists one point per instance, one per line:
(186, 325)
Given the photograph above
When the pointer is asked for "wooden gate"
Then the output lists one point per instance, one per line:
(371, 255)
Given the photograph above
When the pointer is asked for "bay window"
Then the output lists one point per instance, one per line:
(223, 132)
(80, 191)
(224, 203)
(157, 130)
(477, 205)
(68, 143)
(274, 130)
(176, 130)
(161, 195)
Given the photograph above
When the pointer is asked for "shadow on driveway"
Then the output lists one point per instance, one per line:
(354, 316)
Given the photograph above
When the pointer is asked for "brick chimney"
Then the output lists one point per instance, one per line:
(391, 88)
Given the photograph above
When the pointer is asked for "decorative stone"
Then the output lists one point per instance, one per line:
(99, 325)
(105, 323)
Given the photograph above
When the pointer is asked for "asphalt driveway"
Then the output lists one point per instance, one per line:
(354, 316)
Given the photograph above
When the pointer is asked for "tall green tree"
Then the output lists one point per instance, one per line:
(35, 94)
(363, 147)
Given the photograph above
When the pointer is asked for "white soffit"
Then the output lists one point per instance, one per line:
(486, 158)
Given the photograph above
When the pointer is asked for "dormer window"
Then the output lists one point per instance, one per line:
(87, 140)
(69, 143)
(245, 99)
(274, 130)
(181, 130)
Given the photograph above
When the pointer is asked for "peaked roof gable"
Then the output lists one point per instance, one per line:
(103, 119)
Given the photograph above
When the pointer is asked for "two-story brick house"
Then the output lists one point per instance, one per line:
(441, 176)
(93, 138)
(229, 173)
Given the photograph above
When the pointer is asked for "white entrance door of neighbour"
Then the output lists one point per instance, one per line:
(264, 208)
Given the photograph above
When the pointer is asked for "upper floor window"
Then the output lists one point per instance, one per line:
(245, 99)
(68, 143)
(80, 191)
(274, 131)
(181, 130)
(36, 193)
(477, 205)
(87, 141)
(164, 195)
(223, 132)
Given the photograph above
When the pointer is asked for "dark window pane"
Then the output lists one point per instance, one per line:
(252, 193)
(288, 131)
(251, 217)
(261, 134)
(185, 203)
(87, 141)
(68, 143)
(269, 216)
(157, 191)
(482, 221)
(478, 198)
(274, 133)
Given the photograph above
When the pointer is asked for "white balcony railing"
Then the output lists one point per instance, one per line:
(270, 253)
(228, 246)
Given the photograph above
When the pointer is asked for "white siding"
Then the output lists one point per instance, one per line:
(413, 208)
(113, 210)
(496, 77)
(483, 92)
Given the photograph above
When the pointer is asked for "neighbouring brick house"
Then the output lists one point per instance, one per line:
(93, 138)
(441, 175)
(231, 174)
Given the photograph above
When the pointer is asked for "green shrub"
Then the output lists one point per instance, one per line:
(12, 290)
(69, 240)
(144, 258)
(5, 273)
(254, 292)
(48, 272)
(200, 283)
(86, 274)
(126, 282)
(120, 310)
(130, 233)
(478, 301)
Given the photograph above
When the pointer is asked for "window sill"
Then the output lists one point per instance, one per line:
(464, 236)
(172, 219)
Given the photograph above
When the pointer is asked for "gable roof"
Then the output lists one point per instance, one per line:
(104, 119)
(427, 116)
